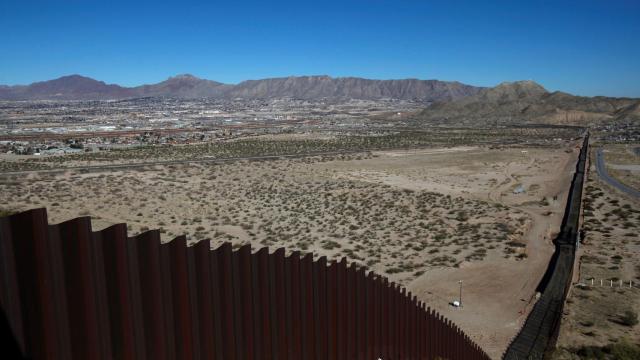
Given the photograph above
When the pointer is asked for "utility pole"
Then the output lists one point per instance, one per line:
(460, 299)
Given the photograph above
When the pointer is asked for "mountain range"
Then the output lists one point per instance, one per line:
(446, 103)
(76, 87)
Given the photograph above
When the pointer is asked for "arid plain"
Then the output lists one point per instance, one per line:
(425, 217)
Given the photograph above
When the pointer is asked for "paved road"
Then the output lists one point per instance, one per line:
(604, 175)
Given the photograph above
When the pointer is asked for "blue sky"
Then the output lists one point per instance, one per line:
(588, 47)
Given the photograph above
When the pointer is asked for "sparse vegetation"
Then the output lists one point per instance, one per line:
(629, 318)
(621, 350)
(252, 147)
(314, 207)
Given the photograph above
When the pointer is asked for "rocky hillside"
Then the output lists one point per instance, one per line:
(182, 86)
(527, 102)
(72, 87)
(318, 87)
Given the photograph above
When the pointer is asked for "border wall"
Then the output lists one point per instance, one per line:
(67, 292)
(540, 331)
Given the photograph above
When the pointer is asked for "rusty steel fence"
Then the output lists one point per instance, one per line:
(70, 293)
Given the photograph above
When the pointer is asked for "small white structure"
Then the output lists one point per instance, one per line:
(456, 303)
(518, 190)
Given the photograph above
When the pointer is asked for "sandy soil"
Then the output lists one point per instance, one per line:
(497, 294)
(424, 218)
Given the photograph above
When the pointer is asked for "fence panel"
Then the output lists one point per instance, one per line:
(342, 305)
(148, 256)
(209, 328)
(57, 274)
(174, 257)
(9, 293)
(308, 333)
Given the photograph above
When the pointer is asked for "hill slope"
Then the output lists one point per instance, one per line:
(527, 102)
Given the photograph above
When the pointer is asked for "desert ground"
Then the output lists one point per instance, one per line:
(425, 218)
(497, 295)
(605, 297)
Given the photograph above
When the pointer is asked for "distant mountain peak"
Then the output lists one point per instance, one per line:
(508, 91)
(529, 85)
(185, 76)
(74, 78)
(77, 87)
